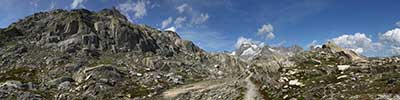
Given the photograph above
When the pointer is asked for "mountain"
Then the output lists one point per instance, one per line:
(81, 54)
(99, 55)
(247, 50)
(106, 30)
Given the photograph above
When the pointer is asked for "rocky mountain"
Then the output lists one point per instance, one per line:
(106, 30)
(248, 50)
(81, 54)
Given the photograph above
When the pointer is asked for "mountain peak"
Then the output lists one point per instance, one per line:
(112, 12)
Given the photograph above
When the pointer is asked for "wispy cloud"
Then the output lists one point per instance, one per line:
(184, 7)
(200, 19)
(78, 4)
(166, 22)
(266, 31)
(398, 23)
(191, 19)
(179, 21)
(139, 8)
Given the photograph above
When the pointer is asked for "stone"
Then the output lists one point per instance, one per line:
(91, 40)
(342, 76)
(64, 85)
(139, 74)
(295, 82)
(343, 67)
(349, 54)
(12, 84)
(60, 80)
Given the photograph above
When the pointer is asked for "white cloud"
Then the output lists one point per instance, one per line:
(200, 19)
(391, 39)
(398, 24)
(358, 42)
(314, 44)
(192, 18)
(77, 4)
(166, 22)
(139, 8)
(395, 50)
(171, 29)
(267, 30)
(179, 21)
(182, 8)
(388, 43)
(270, 35)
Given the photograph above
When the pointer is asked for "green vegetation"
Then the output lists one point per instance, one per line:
(22, 74)
(137, 91)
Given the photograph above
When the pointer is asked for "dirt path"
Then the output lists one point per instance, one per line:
(192, 87)
(251, 93)
(252, 90)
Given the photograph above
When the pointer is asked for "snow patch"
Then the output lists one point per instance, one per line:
(173, 29)
(249, 52)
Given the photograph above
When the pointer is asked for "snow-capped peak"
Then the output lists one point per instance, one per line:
(247, 48)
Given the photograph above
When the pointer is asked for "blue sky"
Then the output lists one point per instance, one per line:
(215, 25)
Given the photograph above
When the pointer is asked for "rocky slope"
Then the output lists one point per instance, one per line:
(80, 54)
(99, 55)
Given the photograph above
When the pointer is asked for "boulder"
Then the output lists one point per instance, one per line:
(349, 54)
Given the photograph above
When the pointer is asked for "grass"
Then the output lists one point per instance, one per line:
(22, 74)
(138, 91)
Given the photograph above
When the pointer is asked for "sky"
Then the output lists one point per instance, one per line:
(369, 27)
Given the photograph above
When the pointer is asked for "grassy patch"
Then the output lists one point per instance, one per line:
(22, 74)
(138, 91)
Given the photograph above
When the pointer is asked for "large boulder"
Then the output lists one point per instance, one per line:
(348, 54)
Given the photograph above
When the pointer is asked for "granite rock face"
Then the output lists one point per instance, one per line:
(81, 54)
(106, 30)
